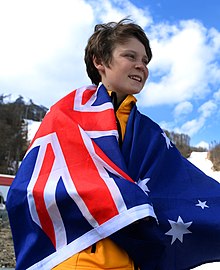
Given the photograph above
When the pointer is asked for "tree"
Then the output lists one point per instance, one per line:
(214, 155)
(13, 136)
(182, 142)
(13, 130)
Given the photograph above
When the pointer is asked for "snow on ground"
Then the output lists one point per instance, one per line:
(32, 128)
(208, 266)
(200, 160)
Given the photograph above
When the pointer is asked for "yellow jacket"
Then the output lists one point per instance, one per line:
(105, 254)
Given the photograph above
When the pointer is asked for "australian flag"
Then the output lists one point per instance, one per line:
(75, 187)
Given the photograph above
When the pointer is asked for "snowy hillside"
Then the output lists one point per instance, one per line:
(32, 128)
(200, 160)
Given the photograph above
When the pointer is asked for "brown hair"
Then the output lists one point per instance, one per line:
(104, 39)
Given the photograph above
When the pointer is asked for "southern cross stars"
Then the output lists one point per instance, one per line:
(168, 142)
(143, 184)
(202, 204)
(178, 229)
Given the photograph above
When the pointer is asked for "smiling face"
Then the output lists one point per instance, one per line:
(127, 71)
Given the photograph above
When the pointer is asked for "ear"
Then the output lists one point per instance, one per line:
(98, 64)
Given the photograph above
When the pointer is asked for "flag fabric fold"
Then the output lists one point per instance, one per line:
(75, 186)
(72, 188)
(186, 201)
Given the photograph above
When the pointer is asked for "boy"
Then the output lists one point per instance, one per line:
(101, 186)
(117, 55)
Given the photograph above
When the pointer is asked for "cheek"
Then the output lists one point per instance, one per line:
(146, 73)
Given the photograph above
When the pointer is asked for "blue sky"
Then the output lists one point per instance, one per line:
(42, 48)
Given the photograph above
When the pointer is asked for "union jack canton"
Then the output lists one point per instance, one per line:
(72, 188)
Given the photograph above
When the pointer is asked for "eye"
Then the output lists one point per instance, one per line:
(145, 62)
(130, 56)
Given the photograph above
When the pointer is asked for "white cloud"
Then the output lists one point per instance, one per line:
(183, 108)
(214, 37)
(42, 43)
(183, 65)
(38, 30)
(42, 47)
(207, 109)
(202, 144)
(166, 125)
(115, 10)
(191, 127)
(217, 95)
(184, 71)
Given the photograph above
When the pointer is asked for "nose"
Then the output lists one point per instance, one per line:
(140, 65)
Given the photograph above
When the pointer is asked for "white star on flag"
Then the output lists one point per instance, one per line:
(202, 204)
(178, 229)
(168, 142)
(143, 184)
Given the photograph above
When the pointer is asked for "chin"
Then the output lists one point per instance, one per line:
(136, 91)
(137, 88)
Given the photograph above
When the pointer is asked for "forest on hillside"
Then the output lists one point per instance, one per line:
(14, 131)
(214, 155)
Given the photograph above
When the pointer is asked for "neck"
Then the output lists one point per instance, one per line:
(115, 100)
(120, 98)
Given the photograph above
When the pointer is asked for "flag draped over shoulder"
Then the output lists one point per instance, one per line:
(75, 187)
(186, 201)
(72, 188)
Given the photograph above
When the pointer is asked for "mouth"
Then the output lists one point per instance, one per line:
(136, 78)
